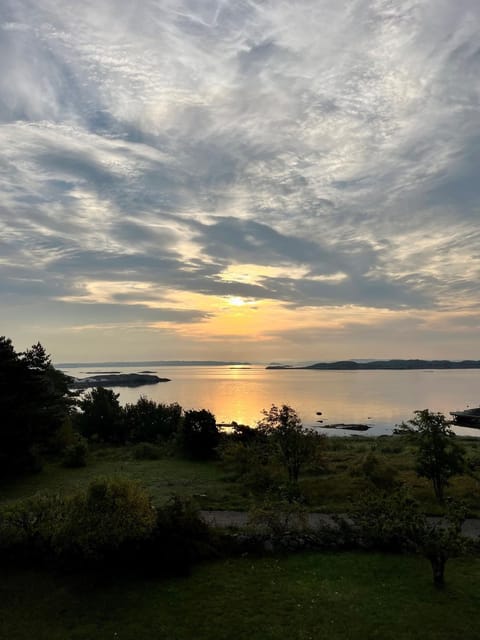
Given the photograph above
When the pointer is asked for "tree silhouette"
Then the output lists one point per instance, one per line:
(34, 403)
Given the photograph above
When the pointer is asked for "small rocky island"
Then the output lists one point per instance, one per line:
(116, 380)
(347, 427)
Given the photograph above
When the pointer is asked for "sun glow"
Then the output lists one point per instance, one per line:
(236, 301)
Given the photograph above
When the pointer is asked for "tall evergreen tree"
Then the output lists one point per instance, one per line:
(34, 402)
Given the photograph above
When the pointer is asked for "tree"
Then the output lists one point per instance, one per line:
(393, 522)
(199, 435)
(439, 456)
(102, 416)
(296, 445)
(34, 403)
(147, 421)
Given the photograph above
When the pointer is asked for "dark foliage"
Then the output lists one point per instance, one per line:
(376, 471)
(180, 538)
(102, 417)
(147, 451)
(199, 436)
(75, 454)
(111, 526)
(34, 403)
(147, 421)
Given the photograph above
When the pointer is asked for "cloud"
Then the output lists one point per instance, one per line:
(331, 146)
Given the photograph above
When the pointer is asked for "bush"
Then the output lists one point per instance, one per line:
(113, 525)
(112, 514)
(376, 470)
(146, 451)
(28, 527)
(279, 517)
(180, 538)
(75, 455)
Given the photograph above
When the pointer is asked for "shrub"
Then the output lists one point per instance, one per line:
(64, 437)
(180, 537)
(75, 455)
(113, 513)
(279, 517)
(147, 451)
(376, 470)
(112, 525)
(28, 527)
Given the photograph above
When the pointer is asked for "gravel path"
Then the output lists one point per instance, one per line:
(238, 519)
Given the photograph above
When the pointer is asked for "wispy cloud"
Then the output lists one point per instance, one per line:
(152, 152)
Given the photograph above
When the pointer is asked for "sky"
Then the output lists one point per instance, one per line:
(260, 180)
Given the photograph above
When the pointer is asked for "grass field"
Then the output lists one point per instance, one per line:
(306, 596)
(329, 488)
(345, 596)
(162, 478)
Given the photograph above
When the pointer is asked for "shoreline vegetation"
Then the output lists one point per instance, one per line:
(352, 365)
(116, 380)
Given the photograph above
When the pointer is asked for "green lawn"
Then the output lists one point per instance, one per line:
(343, 596)
(162, 478)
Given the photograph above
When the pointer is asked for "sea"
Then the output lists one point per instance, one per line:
(378, 399)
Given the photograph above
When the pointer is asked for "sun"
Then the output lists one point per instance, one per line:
(236, 301)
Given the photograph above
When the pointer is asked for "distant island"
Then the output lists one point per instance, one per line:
(116, 380)
(352, 365)
(152, 363)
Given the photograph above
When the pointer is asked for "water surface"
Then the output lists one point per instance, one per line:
(381, 399)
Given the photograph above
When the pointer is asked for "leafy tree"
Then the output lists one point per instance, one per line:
(249, 458)
(34, 403)
(102, 417)
(295, 445)
(439, 456)
(199, 435)
(147, 421)
(393, 522)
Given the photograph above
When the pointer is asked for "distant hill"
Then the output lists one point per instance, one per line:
(152, 363)
(352, 365)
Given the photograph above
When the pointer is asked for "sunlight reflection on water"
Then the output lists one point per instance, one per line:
(381, 399)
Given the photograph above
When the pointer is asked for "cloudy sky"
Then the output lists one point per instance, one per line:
(240, 179)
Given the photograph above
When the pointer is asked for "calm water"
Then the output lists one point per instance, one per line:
(381, 399)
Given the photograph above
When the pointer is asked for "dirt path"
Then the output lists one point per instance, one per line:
(239, 519)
